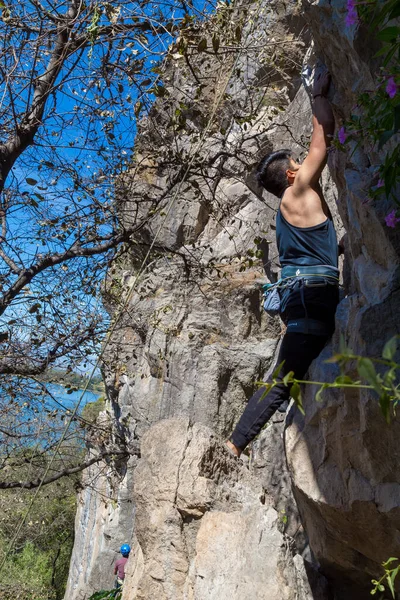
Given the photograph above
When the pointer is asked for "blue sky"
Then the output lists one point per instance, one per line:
(76, 157)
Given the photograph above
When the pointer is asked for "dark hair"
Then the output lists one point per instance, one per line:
(271, 172)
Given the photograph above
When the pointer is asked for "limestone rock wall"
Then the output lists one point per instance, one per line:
(206, 527)
(193, 341)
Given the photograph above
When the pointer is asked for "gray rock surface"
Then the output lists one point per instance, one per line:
(205, 527)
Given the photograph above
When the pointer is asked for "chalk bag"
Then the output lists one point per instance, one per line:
(272, 301)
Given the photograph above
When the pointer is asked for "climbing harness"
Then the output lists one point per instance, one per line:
(299, 278)
(315, 271)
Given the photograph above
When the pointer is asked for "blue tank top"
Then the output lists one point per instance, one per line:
(306, 246)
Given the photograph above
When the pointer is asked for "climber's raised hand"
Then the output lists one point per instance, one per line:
(321, 84)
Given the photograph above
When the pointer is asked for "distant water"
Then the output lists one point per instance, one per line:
(40, 413)
(58, 393)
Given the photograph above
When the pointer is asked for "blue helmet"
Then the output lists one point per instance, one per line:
(125, 549)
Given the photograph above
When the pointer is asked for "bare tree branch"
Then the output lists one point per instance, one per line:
(29, 485)
(55, 259)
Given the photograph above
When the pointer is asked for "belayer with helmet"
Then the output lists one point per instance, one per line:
(119, 567)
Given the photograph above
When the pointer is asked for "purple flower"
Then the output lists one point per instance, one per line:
(351, 18)
(342, 135)
(351, 6)
(380, 183)
(391, 87)
(391, 219)
(352, 15)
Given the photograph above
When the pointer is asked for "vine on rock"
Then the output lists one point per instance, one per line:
(389, 577)
(384, 381)
(376, 119)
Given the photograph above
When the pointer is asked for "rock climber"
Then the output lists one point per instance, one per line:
(119, 567)
(308, 253)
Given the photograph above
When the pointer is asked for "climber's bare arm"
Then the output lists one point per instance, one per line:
(323, 128)
(313, 165)
(303, 204)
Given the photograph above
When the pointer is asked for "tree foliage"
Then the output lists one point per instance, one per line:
(38, 567)
(74, 79)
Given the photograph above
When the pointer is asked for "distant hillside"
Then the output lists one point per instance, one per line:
(71, 379)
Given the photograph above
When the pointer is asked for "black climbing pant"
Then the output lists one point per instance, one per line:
(298, 350)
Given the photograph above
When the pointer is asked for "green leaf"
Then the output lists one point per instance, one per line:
(367, 372)
(215, 43)
(202, 45)
(396, 125)
(344, 348)
(395, 12)
(391, 53)
(390, 176)
(288, 377)
(390, 377)
(103, 595)
(388, 34)
(334, 359)
(383, 50)
(384, 403)
(390, 584)
(277, 370)
(343, 379)
(295, 393)
(318, 395)
(390, 348)
(159, 91)
(385, 137)
(267, 388)
(389, 560)
(390, 579)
